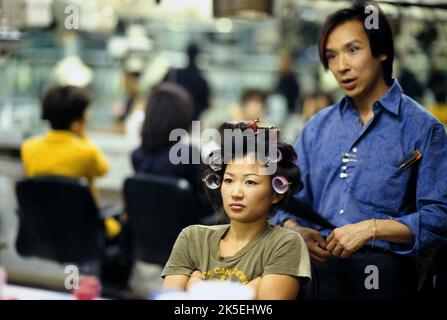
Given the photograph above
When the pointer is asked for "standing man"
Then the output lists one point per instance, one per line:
(374, 165)
(288, 85)
(192, 79)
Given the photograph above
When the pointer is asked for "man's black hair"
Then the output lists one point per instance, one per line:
(62, 105)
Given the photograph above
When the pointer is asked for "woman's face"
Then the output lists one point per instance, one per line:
(247, 191)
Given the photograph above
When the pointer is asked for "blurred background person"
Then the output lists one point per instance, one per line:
(312, 104)
(438, 85)
(252, 105)
(129, 115)
(66, 151)
(288, 84)
(193, 81)
(410, 83)
(131, 80)
(169, 107)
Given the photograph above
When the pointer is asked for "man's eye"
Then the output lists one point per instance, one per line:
(228, 180)
(353, 50)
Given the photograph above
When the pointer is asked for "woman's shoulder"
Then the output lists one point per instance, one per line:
(282, 234)
(140, 153)
(203, 230)
(149, 162)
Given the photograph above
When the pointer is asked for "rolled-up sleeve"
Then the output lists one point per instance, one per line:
(429, 223)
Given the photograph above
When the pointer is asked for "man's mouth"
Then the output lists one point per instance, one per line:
(348, 83)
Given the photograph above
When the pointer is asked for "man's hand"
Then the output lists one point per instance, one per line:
(350, 238)
(314, 241)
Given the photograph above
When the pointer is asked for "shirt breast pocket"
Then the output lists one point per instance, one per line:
(384, 189)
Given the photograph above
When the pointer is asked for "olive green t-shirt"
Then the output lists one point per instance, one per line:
(274, 250)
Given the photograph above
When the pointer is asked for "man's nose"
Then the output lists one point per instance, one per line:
(343, 64)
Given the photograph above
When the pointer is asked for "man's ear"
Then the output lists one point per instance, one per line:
(75, 125)
(382, 57)
(78, 127)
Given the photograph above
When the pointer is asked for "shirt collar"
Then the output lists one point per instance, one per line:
(57, 135)
(345, 102)
(389, 101)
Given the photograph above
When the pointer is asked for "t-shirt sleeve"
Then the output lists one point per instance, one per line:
(180, 261)
(98, 162)
(290, 257)
(24, 149)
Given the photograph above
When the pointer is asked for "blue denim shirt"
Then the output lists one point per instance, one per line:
(368, 184)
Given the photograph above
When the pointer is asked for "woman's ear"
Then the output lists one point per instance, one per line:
(277, 197)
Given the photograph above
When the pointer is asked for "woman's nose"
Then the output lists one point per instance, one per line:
(236, 192)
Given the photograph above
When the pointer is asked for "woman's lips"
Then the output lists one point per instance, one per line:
(237, 207)
(348, 84)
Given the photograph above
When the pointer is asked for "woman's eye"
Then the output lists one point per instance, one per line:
(250, 182)
(330, 56)
(228, 180)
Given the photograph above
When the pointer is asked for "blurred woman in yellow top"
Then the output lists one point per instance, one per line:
(65, 150)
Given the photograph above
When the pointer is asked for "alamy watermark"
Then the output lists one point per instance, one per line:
(72, 279)
(372, 21)
(235, 142)
(372, 280)
(71, 21)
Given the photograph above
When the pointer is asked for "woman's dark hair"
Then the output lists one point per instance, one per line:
(62, 105)
(380, 39)
(249, 143)
(169, 107)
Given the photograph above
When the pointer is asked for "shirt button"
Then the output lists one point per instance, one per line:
(341, 211)
(354, 149)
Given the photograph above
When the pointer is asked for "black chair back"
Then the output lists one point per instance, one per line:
(58, 220)
(158, 207)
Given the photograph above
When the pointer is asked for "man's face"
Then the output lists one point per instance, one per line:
(350, 60)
